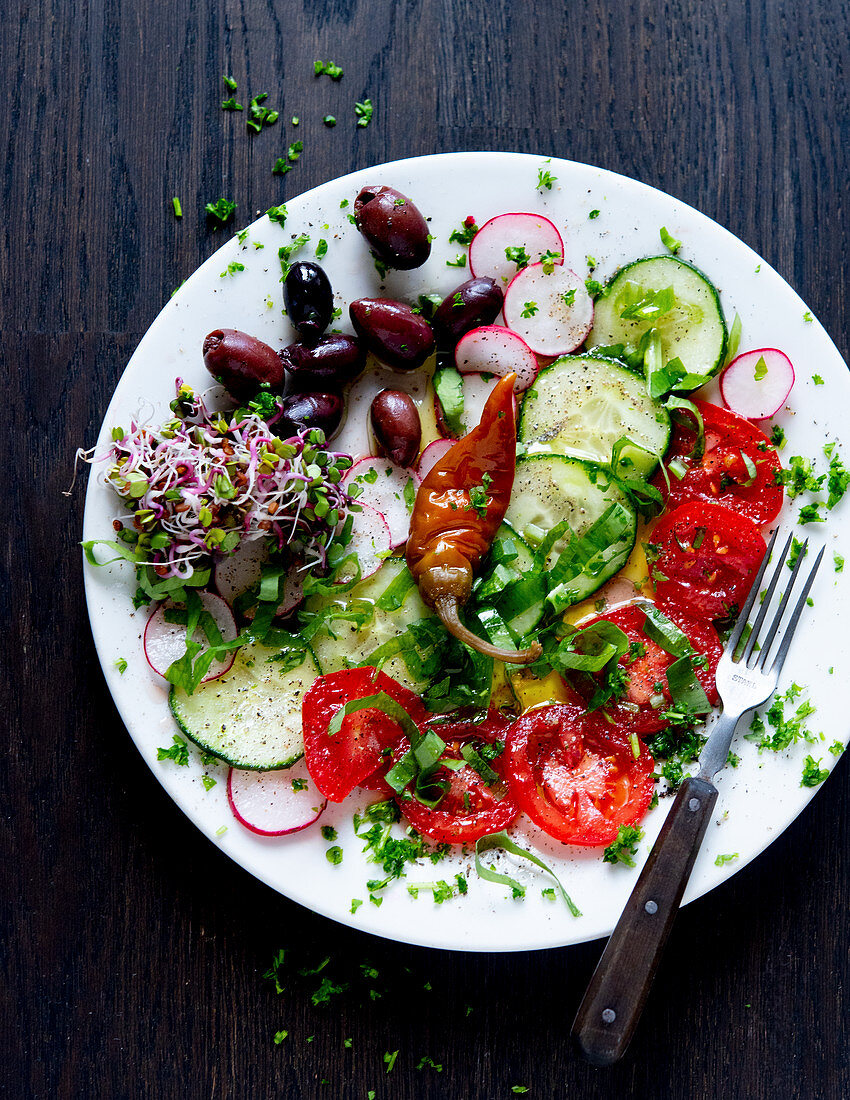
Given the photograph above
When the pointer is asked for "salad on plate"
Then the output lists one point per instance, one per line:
(467, 567)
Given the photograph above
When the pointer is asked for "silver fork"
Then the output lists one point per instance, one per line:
(747, 675)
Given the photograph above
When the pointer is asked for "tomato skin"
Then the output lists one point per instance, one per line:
(490, 810)
(338, 763)
(575, 776)
(633, 713)
(727, 437)
(710, 580)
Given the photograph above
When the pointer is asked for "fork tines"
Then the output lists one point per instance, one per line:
(758, 657)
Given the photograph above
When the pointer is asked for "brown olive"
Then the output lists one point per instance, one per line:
(327, 365)
(309, 410)
(474, 303)
(393, 227)
(309, 300)
(392, 331)
(396, 427)
(242, 363)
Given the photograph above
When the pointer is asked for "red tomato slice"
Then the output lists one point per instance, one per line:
(338, 762)
(576, 776)
(721, 476)
(705, 559)
(647, 674)
(469, 809)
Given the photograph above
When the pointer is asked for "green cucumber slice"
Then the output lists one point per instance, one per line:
(391, 605)
(251, 716)
(551, 489)
(579, 406)
(692, 330)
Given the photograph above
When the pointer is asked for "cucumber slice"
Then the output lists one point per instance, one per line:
(251, 716)
(581, 406)
(340, 643)
(550, 489)
(692, 330)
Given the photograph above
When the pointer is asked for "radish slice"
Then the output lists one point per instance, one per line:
(370, 541)
(476, 389)
(432, 455)
(241, 570)
(382, 485)
(757, 383)
(267, 803)
(165, 642)
(531, 232)
(551, 311)
(499, 351)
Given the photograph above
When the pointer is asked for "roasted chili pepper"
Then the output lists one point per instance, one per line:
(458, 509)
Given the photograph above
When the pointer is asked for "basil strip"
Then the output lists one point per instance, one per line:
(681, 403)
(600, 643)
(685, 689)
(448, 389)
(478, 764)
(734, 339)
(394, 594)
(496, 629)
(502, 840)
(379, 701)
(659, 629)
(269, 591)
(521, 595)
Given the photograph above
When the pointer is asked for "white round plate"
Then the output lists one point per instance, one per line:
(758, 799)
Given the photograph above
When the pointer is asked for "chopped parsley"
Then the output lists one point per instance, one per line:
(389, 1059)
(232, 268)
(321, 248)
(334, 855)
(593, 215)
(529, 309)
(230, 83)
(281, 167)
(760, 370)
(299, 784)
(808, 317)
(279, 1036)
(478, 496)
(569, 297)
(545, 179)
(287, 251)
(425, 1060)
(517, 255)
(624, 848)
(813, 773)
(176, 207)
(355, 905)
(721, 860)
(121, 665)
(594, 288)
(260, 116)
(179, 752)
(277, 214)
(777, 437)
(329, 832)
(548, 261)
(818, 381)
(329, 121)
(363, 113)
(836, 748)
(328, 68)
(220, 212)
(838, 562)
(294, 151)
(458, 261)
(787, 730)
(464, 235)
(208, 782)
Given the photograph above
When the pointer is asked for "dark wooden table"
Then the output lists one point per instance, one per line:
(131, 950)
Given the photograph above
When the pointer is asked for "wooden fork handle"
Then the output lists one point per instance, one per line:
(614, 1000)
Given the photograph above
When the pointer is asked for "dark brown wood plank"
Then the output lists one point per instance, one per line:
(131, 952)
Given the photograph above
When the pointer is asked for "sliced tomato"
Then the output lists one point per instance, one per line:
(470, 808)
(703, 559)
(737, 468)
(364, 744)
(576, 776)
(647, 671)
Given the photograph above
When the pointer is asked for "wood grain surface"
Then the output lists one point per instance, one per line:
(131, 951)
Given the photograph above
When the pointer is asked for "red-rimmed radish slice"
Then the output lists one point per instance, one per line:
(241, 570)
(275, 803)
(370, 541)
(382, 485)
(497, 350)
(165, 642)
(533, 233)
(756, 384)
(476, 389)
(432, 455)
(550, 309)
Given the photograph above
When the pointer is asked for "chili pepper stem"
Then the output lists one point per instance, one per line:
(447, 608)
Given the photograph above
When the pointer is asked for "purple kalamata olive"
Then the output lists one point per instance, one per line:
(309, 410)
(242, 363)
(327, 365)
(396, 427)
(474, 303)
(309, 300)
(393, 227)
(392, 331)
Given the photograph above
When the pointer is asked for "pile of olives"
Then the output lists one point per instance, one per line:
(314, 371)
